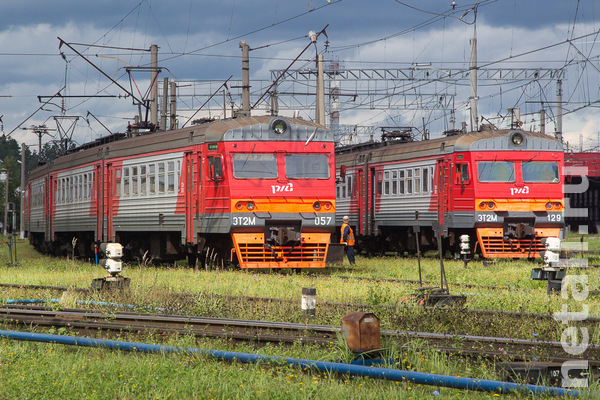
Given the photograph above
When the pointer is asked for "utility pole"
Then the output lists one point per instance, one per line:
(543, 121)
(559, 110)
(320, 106)
(173, 106)
(22, 192)
(165, 104)
(4, 175)
(154, 85)
(473, 75)
(245, 78)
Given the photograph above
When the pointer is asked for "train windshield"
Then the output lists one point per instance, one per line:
(254, 166)
(496, 171)
(540, 171)
(306, 166)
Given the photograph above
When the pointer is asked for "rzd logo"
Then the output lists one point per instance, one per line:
(283, 188)
(523, 190)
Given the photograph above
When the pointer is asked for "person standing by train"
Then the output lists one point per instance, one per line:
(348, 239)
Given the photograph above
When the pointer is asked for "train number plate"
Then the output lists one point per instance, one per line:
(555, 217)
(487, 217)
(243, 221)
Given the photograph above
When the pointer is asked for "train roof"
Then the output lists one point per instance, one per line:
(259, 128)
(488, 140)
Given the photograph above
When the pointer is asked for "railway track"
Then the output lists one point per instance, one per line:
(324, 304)
(92, 323)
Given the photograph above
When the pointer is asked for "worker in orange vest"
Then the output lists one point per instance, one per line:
(347, 236)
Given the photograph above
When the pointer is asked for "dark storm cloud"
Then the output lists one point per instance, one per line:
(199, 39)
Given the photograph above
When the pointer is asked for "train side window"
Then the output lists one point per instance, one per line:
(431, 169)
(71, 188)
(409, 181)
(76, 188)
(171, 177)
(152, 176)
(386, 183)
(379, 183)
(134, 181)
(402, 181)
(462, 174)
(349, 185)
(125, 181)
(215, 168)
(178, 176)
(426, 180)
(417, 180)
(143, 180)
(394, 182)
(161, 178)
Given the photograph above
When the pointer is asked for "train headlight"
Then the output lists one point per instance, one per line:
(517, 138)
(548, 205)
(250, 206)
(279, 126)
(317, 205)
(491, 205)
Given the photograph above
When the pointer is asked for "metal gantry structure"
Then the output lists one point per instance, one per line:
(391, 91)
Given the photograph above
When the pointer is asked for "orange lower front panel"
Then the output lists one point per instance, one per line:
(493, 244)
(252, 252)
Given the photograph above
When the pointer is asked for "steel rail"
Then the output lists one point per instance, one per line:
(284, 332)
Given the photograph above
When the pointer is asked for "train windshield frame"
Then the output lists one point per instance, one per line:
(254, 165)
(496, 171)
(540, 172)
(307, 166)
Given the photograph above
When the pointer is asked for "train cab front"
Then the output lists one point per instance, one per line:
(282, 195)
(518, 193)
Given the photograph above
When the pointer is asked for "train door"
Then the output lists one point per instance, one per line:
(443, 169)
(109, 192)
(50, 185)
(99, 198)
(375, 192)
(191, 194)
(358, 189)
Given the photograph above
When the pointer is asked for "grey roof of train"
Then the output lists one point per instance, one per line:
(489, 140)
(233, 129)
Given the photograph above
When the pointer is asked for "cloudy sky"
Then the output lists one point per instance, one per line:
(199, 41)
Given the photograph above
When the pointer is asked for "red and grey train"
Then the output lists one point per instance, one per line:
(258, 192)
(503, 188)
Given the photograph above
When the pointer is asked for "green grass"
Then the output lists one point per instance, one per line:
(45, 371)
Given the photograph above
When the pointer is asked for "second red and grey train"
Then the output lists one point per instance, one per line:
(503, 188)
(257, 192)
